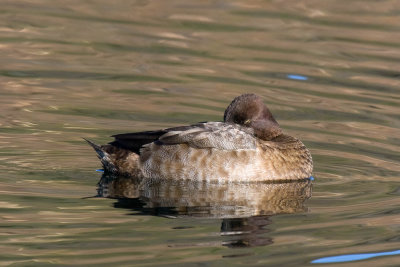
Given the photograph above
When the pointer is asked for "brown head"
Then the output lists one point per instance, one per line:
(250, 111)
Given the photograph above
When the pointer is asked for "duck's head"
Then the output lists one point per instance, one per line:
(250, 111)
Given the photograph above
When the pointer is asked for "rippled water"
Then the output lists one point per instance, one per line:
(328, 70)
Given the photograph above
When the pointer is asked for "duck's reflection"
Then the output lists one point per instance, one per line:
(244, 208)
(246, 232)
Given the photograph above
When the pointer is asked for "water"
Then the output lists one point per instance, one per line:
(328, 70)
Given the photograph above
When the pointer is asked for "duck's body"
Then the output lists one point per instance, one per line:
(247, 146)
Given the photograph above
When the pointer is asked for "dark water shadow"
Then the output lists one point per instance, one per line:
(245, 208)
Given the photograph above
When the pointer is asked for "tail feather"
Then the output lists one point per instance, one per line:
(104, 157)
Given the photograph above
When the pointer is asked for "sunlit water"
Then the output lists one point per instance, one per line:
(328, 70)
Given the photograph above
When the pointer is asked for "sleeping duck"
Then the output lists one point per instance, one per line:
(248, 145)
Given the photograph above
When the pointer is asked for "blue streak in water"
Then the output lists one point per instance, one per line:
(297, 77)
(355, 257)
(99, 170)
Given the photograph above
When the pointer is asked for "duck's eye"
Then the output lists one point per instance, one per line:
(247, 122)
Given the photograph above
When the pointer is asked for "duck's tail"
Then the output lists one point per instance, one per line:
(104, 157)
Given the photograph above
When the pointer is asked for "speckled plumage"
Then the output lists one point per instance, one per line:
(248, 146)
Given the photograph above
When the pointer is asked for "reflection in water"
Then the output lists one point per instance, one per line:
(244, 208)
(246, 232)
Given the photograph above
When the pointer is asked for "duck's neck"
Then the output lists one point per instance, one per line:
(266, 129)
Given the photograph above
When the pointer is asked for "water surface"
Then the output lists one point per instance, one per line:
(328, 70)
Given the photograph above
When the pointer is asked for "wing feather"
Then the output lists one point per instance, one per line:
(218, 135)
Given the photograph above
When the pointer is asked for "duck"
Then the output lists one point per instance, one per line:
(248, 145)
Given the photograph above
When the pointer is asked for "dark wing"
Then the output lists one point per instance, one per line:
(219, 135)
(134, 141)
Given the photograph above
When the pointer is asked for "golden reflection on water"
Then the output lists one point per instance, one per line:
(93, 69)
